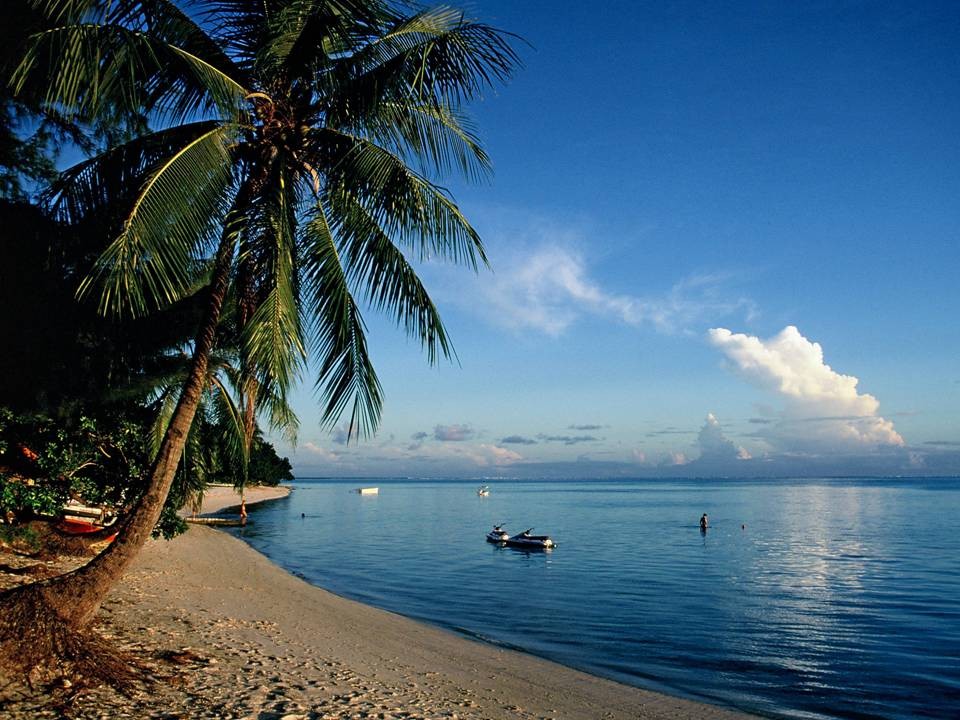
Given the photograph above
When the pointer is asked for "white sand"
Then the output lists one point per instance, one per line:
(218, 498)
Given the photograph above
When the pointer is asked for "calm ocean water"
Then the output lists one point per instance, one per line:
(838, 599)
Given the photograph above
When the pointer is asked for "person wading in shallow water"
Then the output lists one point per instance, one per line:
(703, 521)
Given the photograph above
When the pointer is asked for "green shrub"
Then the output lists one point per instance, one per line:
(20, 500)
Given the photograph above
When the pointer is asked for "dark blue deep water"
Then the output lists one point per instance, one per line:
(839, 598)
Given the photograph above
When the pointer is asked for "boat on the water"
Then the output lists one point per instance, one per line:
(498, 535)
(483, 491)
(523, 540)
(530, 542)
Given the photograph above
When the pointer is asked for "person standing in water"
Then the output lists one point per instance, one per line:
(703, 521)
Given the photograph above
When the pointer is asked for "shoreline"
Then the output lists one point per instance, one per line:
(225, 499)
(229, 634)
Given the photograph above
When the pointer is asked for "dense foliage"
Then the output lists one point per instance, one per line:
(266, 467)
(80, 392)
(44, 462)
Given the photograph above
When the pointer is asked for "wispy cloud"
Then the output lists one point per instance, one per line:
(517, 440)
(313, 453)
(669, 431)
(418, 439)
(585, 427)
(550, 288)
(462, 456)
(568, 439)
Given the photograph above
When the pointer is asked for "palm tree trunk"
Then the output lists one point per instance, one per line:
(75, 598)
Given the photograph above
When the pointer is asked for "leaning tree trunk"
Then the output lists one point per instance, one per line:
(40, 622)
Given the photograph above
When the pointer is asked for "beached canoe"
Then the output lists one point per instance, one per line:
(223, 522)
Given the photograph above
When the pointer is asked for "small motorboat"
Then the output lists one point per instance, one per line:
(483, 491)
(498, 535)
(530, 542)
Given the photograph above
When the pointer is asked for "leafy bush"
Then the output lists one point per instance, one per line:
(20, 500)
(46, 462)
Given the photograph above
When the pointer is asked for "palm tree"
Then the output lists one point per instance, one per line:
(297, 153)
(217, 445)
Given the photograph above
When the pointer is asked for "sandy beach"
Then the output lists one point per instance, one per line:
(227, 634)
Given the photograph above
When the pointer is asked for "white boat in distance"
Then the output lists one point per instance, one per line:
(483, 491)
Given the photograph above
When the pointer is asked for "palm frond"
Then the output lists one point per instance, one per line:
(436, 138)
(90, 69)
(275, 406)
(113, 178)
(377, 266)
(239, 26)
(228, 419)
(305, 35)
(273, 337)
(172, 223)
(346, 377)
(435, 56)
(165, 404)
(404, 203)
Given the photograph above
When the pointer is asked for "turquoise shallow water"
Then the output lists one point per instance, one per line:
(805, 598)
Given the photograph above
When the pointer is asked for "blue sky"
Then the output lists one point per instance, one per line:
(724, 241)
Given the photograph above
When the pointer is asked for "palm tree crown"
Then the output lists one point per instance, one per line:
(302, 140)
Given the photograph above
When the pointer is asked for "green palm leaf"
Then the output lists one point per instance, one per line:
(228, 421)
(435, 138)
(89, 70)
(377, 266)
(355, 104)
(169, 228)
(306, 34)
(404, 203)
(113, 178)
(435, 56)
(346, 377)
(273, 338)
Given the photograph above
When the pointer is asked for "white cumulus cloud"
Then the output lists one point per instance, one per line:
(822, 409)
(715, 446)
(671, 459)
(495, 455)
(311, 452)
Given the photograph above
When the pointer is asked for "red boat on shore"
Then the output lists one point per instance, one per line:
(88, 521)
